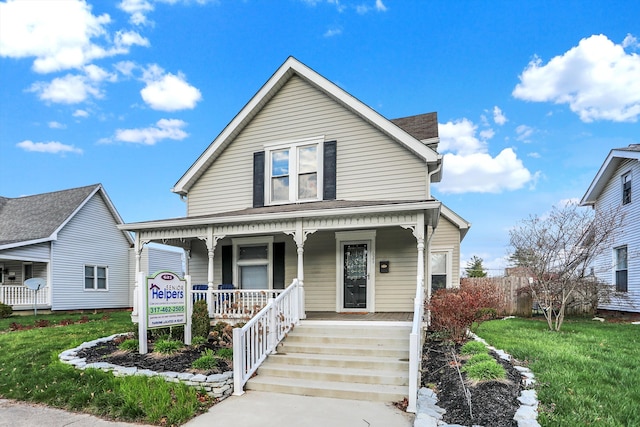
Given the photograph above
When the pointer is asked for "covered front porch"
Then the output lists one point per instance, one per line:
(347, 257)
(13, 292)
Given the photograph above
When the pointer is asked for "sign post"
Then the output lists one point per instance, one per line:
(165, 298)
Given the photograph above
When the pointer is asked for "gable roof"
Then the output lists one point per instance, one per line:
(287, 70)
(423, 127)
(39, 218)
(456, 220)
(611, 163)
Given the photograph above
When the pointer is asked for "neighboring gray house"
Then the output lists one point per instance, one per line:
(615, 185)
(71, 239)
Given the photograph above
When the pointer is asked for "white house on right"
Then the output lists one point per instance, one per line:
(614, 186)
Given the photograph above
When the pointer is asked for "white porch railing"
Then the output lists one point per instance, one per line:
(235, 303)
(19, 296)
(260, 336)
(416, 342)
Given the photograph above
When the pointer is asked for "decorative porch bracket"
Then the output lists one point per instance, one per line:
(138, 246)
(300, 236)
(211, 240)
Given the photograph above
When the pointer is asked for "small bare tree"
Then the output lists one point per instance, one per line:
(558, 252)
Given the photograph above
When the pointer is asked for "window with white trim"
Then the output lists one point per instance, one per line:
(95, 278)
(294, 171)
(253, 263)
(441, 273)
(626, 188)
(621, 268)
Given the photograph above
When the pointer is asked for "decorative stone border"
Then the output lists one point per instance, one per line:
(429, 414)
(219, 386)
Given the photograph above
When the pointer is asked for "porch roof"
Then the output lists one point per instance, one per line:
(283, 217)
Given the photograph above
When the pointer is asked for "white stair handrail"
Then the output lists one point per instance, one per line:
(260, 336)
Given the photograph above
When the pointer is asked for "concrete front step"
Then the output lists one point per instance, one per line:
(340, 390)
(328, 373)
(351, 360)
(373, 350)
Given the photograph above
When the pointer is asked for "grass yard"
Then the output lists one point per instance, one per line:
(588, 373)
(30, 371)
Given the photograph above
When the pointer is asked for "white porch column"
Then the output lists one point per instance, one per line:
(138, 245)
(419, 235)
(212, 242)
(300, 236)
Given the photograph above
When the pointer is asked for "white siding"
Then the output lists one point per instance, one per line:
(396, 290)
(447, 236)
(39, 252)
(90, 238)
(164, 259)
(629, 235)
(370, 166)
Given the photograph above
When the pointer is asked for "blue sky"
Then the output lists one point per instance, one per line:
(530, 95)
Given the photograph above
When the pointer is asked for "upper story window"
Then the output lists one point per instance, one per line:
(621, 268)
(626, 188)
(294, 172)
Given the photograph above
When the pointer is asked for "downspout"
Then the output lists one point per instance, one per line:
(430, 174)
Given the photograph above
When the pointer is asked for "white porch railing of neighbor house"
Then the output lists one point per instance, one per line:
(19, 296)
(416, 341)
(235, 303)
(260, 336)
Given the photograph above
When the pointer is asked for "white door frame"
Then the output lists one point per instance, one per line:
(355, 237)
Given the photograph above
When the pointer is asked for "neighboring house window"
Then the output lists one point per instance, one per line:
(27, 270)
(621, 268)
(626, 188)
(440, 270)
(253, 263)
(294, 172)
(95, 277)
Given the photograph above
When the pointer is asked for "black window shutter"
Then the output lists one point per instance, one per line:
(278, 265)
(227, 264)
(329, 171)
(258, 179)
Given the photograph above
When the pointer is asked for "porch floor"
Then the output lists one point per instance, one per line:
(381, 317)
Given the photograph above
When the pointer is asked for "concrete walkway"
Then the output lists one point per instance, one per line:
(265, 409)
(254, 408)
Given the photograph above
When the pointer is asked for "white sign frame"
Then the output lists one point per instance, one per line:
(166, 301)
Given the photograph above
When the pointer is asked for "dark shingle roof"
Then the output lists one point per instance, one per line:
(29, 218)
(421, 127)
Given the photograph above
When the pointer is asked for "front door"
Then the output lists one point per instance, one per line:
(355, 275)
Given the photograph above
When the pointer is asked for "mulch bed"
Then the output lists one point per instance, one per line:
(493, 403)
(177, 362)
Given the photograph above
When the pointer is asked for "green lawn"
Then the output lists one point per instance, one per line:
(30, 371)
(588, 374)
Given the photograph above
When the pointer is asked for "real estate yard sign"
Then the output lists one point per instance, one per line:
(166, 302)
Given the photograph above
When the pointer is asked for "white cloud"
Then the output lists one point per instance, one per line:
(80, 113)
(98, 74)
(70, 89)
(630, 42)
(498, 116)
(487, 134)
(130, 38)
(168, 92)
(56, 125)
(333, 32)
(125, 67)
(378, 7)
(137, 9)
(59, 34)
(52, 147)
(470, 168)
(598, 79)
(524, 133)
(164, 129)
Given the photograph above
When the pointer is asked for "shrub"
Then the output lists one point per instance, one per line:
(479, 358)
(222, 334)
(473, 347)
(454, 311)
(225, 353)
(208, 360)
(198, 340)
(5, 310)
(129, 345)
(167, 346)
(200, 323)
(485, 371)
